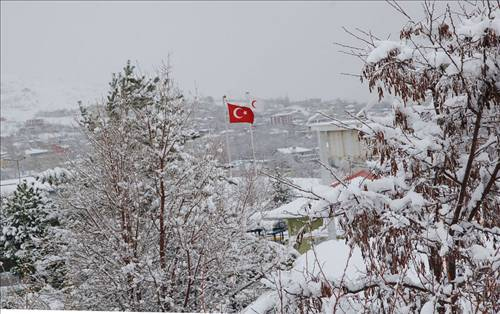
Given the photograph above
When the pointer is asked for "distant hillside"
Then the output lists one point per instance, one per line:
(22, 100)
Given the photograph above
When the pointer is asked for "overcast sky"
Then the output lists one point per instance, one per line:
(268, 48)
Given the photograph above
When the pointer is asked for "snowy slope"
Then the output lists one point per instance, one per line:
(21, 100)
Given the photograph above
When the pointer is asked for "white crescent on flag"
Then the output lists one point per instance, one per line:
(235, 113)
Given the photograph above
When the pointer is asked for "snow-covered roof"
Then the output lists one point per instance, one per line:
(334, 125)
(363, 173)
(282, 114)
(295, 209)
(255, 221)
(294, 150)
(277, 131)
(35, 151)
(307, 207)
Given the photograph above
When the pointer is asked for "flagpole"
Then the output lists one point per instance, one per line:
(253, 152)
(251, 141)
(227, 138)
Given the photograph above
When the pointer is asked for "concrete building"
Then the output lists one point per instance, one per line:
(339, 147)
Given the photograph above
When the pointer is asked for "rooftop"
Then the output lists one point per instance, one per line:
(294, 150)
(334, 125)
(35, 151)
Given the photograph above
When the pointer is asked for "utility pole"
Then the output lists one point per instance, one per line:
(17, 164)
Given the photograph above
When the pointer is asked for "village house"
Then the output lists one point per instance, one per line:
(312, 221)
(303, 226)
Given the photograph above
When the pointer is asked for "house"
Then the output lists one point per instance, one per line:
(311, 221)
(304, 226)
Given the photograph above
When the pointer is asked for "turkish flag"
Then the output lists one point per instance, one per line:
(239, 114)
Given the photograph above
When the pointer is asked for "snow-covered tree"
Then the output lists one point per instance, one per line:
(441, 149)
(428, 224)
(154, 223)
(282, 193)
(25, 222)
(34, 243)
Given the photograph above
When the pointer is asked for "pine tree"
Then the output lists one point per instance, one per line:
(282, 193)
(24, 226)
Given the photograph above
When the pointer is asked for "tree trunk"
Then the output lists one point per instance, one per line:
(162, 220)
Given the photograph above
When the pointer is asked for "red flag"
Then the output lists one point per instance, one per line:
(239, 114)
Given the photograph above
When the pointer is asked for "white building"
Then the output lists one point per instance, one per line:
(339, 147)
(35, 152)
(282, 118)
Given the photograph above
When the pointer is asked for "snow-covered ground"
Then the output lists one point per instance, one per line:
(331, 261)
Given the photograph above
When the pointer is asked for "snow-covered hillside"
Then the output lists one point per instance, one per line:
(23, 99)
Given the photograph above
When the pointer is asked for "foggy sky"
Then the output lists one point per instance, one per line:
(268, 48)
